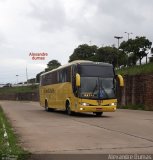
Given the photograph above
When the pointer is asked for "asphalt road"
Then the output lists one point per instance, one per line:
(124, 131)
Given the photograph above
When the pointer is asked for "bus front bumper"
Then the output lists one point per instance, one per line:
(97, 109)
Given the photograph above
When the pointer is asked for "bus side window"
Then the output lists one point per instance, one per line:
(54, 78)
(74, 79)
(59, 77)
(64, 75)
(47, 79)
(40, 80)
(43, 80)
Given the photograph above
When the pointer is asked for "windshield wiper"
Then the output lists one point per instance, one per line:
(102, 93)
(95, 88)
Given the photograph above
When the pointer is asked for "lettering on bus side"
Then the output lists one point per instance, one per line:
(51, 90)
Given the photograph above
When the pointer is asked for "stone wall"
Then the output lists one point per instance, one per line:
(138, 89)
(30, 96)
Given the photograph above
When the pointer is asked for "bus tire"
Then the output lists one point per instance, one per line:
(47, 108)
(98, 114)
(68, 108)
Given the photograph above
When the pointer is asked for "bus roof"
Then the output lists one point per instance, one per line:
(78, 62)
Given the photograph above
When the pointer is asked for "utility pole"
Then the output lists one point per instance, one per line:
(128, 33)
(118, 39)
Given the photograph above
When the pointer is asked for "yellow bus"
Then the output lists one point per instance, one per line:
(80, 86)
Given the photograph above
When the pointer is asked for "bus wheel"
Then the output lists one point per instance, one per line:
(46, 106)
(68, 109)
(98, 114)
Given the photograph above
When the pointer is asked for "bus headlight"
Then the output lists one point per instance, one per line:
(85, 104)
(113, 104)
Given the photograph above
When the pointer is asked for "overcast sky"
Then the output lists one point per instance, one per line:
(57, 27)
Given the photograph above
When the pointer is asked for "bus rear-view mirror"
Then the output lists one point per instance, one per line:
(121, 80)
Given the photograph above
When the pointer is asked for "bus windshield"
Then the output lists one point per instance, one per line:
(96, 71)
(97, 82)
(97, 88)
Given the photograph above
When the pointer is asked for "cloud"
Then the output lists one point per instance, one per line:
(97, 20)
(3, 0)
(59, 26)
(51, 14)
(102, 19)
(3, 40)
(10, 67)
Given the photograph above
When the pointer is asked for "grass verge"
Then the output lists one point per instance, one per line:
(22, 89)
(9, 144)
(136, 70)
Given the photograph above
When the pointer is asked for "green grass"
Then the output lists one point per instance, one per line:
(13, 150)
(23, 89)
(136, 70)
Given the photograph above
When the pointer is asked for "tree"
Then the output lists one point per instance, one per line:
(127, 48)
(144, 46)
(151, 58)
(83, 52)
(111, 55)
(107, 54)
(52, 65)
(132, 59)
(137, 48)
